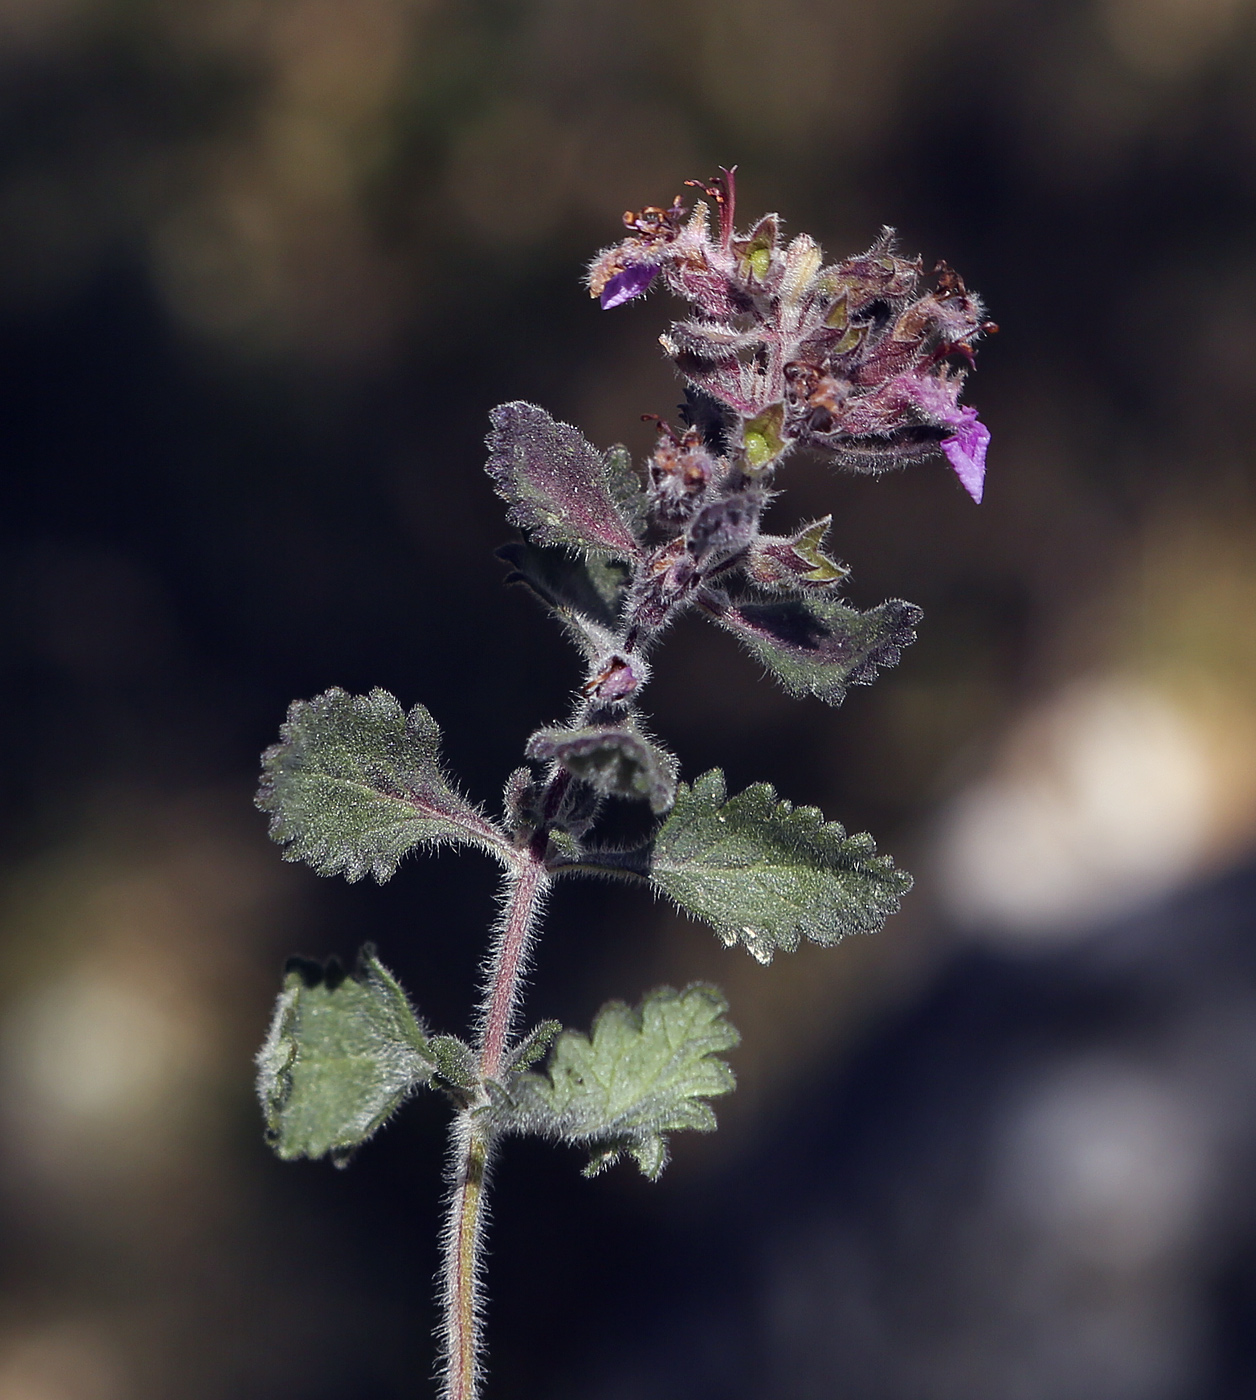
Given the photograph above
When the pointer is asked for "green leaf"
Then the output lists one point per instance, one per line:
(615, 760)
(593, 586)
(355, 783)
(586, 595)
(819, 646)
(626, 488)
(341, 1055)
(456, 1062)
(559, 487)
(534, 1045)
(643, 1072)
(765, 873)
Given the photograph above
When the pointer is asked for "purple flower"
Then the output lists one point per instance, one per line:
(966, 450)
(626, 285)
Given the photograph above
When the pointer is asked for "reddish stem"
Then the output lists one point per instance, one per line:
(508, 961)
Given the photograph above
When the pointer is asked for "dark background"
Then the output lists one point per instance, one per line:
(265, 265)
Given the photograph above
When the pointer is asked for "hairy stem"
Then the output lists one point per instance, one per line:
(508, 960)
(461, 1244)
(471, 1137)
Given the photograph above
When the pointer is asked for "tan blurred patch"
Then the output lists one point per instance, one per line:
(127, 957)
(274, 244)
(62, 1361)
(1140, 775)
(778, 70)
(1169, 39)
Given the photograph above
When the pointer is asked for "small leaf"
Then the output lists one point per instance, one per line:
(765, 873)
(642, 1073)
(754, 253)
(341, 1055)
(819, 646)
(455, 1062)
(534, 1045)
(626, 488)
(796, 562)
(614, 760)
(584, 594)
(560, 489)
(355, 783)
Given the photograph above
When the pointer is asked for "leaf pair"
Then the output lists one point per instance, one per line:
(343, 1053)
(356, 783)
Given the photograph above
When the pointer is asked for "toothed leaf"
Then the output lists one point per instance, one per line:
(614, 760)
(820, 646)
(559, 487)
(355, 783)
(642, 1072)
(764, 873)
(341, 1055)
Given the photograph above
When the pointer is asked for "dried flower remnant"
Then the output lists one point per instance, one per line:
(850, 359)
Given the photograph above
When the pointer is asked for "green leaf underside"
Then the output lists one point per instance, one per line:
(820, 646)
(626, 488)
(559, 488)
(355, 783)
(642, 1072)
(341, 1055)
(617, 762)
(593, 586)
(765, 874)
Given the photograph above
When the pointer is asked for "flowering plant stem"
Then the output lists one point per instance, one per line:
(782, 353)
(472, 1142)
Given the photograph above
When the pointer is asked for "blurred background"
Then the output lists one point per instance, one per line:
(265, 265)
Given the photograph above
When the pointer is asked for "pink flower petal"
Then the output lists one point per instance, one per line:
(626, 285)
(966, 451)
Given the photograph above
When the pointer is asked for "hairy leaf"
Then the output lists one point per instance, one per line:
(534, 1045)
(627, 488)
(341, 1054)
(819, 646)
(765, 873)
(615, 760)
(455, 1062)
(643, 1072)
(559, 488)
(355, 783)
(586, 595)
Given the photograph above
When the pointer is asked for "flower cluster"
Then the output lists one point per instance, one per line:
(851, 359)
